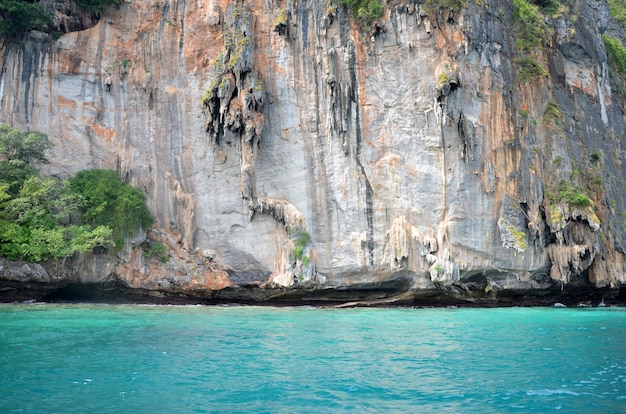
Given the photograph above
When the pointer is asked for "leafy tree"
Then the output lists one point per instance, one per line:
(30, 147)
(18, 151)
(529, 25)
(49, 218)
(110, 201)
(37, 224)
(19, 16)
(44, 203)
(12, 238)
(365, 11)
(13, 174)
(84, 239)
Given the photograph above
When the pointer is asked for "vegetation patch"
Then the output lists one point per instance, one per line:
(432, 6)
(569, 193)
(280, 23)
(365, 11)
(556, 215)
(553, 115)
(529, 69)
(616, 54)
(19, 16)
(549, 7)
(520, 237)
(49, 218)
(155, 249)
(529, 26)
(558, 160)
(595, 156)
(111, 202)
(301, 239)
(618, 10)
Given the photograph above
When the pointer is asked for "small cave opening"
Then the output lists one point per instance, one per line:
(80, 292)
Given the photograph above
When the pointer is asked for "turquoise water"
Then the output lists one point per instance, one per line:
(141, 359)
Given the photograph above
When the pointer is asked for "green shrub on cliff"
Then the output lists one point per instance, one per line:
(529, 25)
(19, 16)
(431, 6)
(20, 150)
(618, 10)
(42, 223)
(528, 69)
(616, 54)
(50, 218)
(111, 202)
(364, 11)
(569, 193)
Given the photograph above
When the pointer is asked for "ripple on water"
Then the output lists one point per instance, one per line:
(235, 359)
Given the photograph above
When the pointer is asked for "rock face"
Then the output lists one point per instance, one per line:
(287, 151)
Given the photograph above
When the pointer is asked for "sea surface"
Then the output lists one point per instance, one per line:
(198, 359)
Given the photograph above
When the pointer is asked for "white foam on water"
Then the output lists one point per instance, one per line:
(547, 392)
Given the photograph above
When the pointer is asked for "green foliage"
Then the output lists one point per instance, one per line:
(442, 79)
(520, 237)
(365, 11)
(595, 156)
(552, 114)
(110, 201)
(618, 10)
(18, 150)
(616, 54)
(38, 203)
(13, 174)
(236, 42)
(282, 17)
(301, 239)
(30, 147)
(12, 238)
(529, 25)
(38, 224)
(529, 69)
(571, 194)
(438, 268)
(550, 7)
(48, 218)
(154, 248)
(19, 16)
(97, 5)
(558, 160)
(556, 215)
(431, 6)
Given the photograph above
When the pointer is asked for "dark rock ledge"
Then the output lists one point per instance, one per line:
(28, 282)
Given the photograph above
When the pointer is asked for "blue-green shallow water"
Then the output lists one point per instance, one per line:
(137, 359)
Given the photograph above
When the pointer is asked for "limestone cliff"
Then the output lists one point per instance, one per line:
(289, 150)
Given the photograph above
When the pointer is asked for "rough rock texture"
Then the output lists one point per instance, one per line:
(287, 152)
